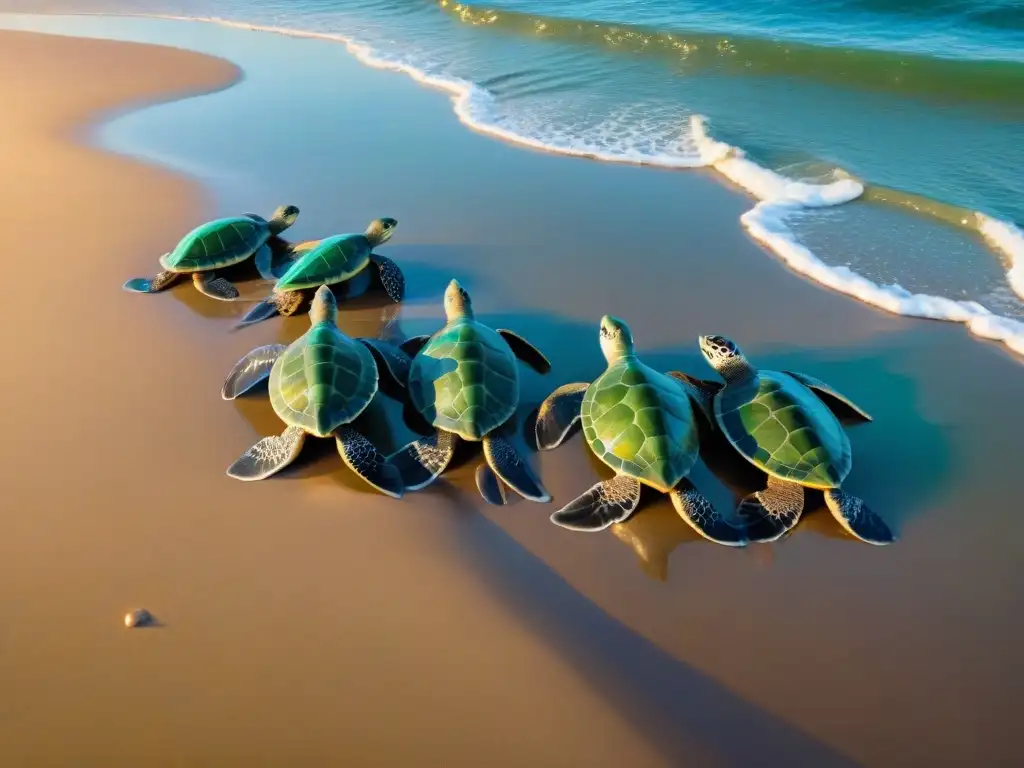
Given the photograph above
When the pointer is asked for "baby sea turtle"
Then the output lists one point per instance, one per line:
(644, 425)
(465, 383)
(318, 385)
(332, 260)
(783, 423)
(216, 244)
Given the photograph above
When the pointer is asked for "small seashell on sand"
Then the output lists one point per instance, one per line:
(140, 617)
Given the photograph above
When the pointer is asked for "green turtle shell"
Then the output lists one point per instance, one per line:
(333, 260)
(641, 423)
(465, 380)
(219, 243)
(782, 427)
(322, 380)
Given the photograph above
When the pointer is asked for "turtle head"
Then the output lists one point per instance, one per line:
(283, 217)
(723, 355)
(380, 231)
(616, 338)
(457, 304)
(325, 307)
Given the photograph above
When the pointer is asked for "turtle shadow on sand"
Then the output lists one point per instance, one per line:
(686, 716)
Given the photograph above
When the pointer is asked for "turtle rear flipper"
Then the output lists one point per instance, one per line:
(391, 277)
(490, 485)
(251, 370)
(363, 458)
(525, 351)
(269, 456)
(771, 513)
(604, 504)
(838, 403)
(701, 514)
(422, 461)
(558, 414)
(285, 303)
(858, 518)
(208, 284)
(507, 464)
(160, 282)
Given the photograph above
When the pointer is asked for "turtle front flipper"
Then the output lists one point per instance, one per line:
(604, 504)
(285, 303)
(558, 414)
(701, 392)
(161, 282)
(414, 344)
(264, 258)
(269, 456)
(839, 404)
(208, 284)
(858, 518)
(391, 277)
(509, 466)
(363, 458)
(422, 461)
(701, 514)
(525, 351)
(251, 370)
(771, 513)
(389, 358)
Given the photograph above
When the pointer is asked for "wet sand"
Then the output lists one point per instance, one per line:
(306, 618)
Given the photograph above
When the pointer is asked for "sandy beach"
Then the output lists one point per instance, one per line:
(306, 619)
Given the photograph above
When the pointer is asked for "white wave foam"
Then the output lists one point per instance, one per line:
(780, 197)
(1008, 239)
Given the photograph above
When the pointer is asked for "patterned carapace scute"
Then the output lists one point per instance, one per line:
(465, 380)
(323, 380)
(782, 427)
(334, 259)
(219, 243)
(641, 423)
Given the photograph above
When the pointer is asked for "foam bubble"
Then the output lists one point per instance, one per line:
(1009, 240)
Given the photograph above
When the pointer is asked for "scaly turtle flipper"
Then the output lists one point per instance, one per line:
(389, 358)
(208, 284)
(422, 461)
(558, 414)
(701, 514)
(251, 370)
(160, 282)
(857, 517)
(839, 404)
(391, 277)
(604, 504)
(414, 344)
(509, 466)
(363, 458)
(490, 485)
(702, 392)
(264, 258)
(269, 456)
(525, 351)
(771, 513)
(285, 303)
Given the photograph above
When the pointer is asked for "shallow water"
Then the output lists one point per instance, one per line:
(923, 99)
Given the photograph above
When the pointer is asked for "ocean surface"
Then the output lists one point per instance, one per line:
(881, 141)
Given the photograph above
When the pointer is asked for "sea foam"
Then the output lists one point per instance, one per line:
(778, 196)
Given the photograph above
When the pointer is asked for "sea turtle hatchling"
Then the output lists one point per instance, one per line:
(318, 385)
(217, 244)
(783, 423)
(644, 425)
(329, 261)
(464, 383)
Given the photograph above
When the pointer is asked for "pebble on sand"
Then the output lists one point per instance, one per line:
(140, 617)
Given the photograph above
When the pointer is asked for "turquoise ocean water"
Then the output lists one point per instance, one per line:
(881, 141)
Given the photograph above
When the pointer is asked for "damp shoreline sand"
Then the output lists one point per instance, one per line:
(306, 618)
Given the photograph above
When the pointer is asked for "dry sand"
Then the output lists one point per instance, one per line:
(307, 619)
